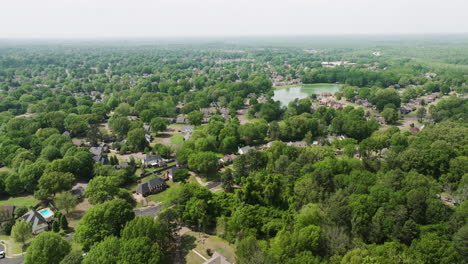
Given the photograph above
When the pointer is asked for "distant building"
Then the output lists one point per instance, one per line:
(301, 144)
(152, 186)
(217, 258)
(244, 150)
(37, 221)
(227, 159)
(154, 161)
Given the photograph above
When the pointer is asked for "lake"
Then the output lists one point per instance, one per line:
(286, 95)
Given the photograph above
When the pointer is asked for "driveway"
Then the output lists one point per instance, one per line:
(17, 260)
(148, 211)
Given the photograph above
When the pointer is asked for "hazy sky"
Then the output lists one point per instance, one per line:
(155, 18)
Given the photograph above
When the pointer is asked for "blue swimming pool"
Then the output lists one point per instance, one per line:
(46, 212)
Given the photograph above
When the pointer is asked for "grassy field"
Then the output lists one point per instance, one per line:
(27, 201)
(170, 193)
(201, 242)
(177, 139)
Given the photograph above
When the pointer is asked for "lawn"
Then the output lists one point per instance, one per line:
(170, 193)
(201, 242)
(4, 169)
(177, 139)
(27, 201)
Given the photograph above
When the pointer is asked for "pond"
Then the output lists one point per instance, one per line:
(286, 95)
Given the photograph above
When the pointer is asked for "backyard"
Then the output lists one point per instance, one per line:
(201, 242)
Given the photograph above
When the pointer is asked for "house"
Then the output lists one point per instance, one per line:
(101, 159)
(78, 190)
(154, 161)
(7, 212)
(132, 118)
(78, 142)
(152, 186)
(208, 111)
(227, 159)
(262, 99)
(301, 144)
(66, 133)
(244, 150)
(217, 258)
(37, 221)
(181, 120)
(170, 173)
(187, 129)
(97, 151)
(147, 128)
(148, 138)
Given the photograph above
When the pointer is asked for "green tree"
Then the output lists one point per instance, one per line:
(65, 201)
(421, 113)
(103, 220)
(136, 139)
(101, 189)
(63, 223)
(195, 118)
(47, 248)
(205, 163)
(56, 226)
(461, 241)
(181, 175)
(119, 125)
(390, 115)
(158, 124)
(21, 231)
(74, 257)
(53, 182)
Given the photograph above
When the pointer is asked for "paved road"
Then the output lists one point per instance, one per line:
(148, 211)
(18, 260)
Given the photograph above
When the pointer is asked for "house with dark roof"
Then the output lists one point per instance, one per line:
(152, 186)
(101, 159)
(37, 221)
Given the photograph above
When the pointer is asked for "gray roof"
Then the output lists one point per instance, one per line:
(96, 150)
(217, 258)
(245, 149)
(150, 158)
(36, 220)
(147, 186)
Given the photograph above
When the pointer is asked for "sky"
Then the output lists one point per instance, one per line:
(70, 19)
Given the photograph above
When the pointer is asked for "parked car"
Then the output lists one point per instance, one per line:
(2, 254)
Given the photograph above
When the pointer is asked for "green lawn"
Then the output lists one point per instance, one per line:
(27, 201)
(201, 242)
(168, 195)
(177, 139)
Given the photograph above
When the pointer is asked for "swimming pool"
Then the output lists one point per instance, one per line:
(46, 213)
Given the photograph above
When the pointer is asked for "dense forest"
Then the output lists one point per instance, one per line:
(352, 179)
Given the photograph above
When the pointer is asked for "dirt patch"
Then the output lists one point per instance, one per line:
(145, 201)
